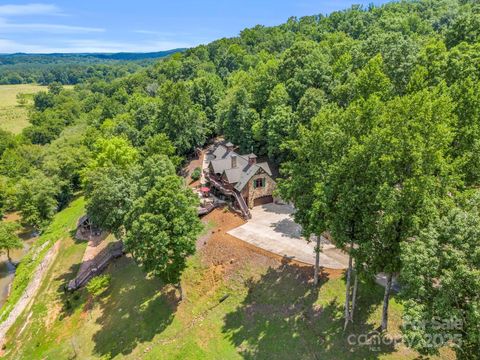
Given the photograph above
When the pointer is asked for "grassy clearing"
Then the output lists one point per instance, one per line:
(13, 117)
(64, 222)
(271, 313)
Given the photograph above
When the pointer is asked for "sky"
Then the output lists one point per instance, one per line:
(79, 26)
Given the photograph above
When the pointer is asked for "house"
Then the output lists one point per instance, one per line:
(249, 182)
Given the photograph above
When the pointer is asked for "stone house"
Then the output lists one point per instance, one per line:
(240, 176)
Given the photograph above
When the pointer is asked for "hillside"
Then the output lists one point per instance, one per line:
(271, 311)
(369, 118)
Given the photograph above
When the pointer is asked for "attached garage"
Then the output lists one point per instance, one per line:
(263, 200)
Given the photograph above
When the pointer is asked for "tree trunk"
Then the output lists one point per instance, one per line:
(354, 296)
(9, 258)
(317, 262)
(386, 299)
(180, 289)
(347, 291)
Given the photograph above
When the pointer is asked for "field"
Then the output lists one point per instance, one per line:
(13, 117)
(271, 311)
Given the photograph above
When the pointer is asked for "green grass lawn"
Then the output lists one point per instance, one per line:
(271, 313)
(63, 223)
(13, 117)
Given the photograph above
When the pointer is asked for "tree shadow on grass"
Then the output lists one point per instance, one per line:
(281, 318)
(70, 301)
(134, 311)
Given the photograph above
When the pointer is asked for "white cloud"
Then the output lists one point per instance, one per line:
(90, 46)
(8, 11)
(29, 9)
(8, 27)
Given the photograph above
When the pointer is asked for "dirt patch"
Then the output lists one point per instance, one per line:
(53, 314)
(221, 250)
(192, 165)
(11, 217)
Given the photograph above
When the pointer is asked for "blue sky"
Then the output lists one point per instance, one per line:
(141, 25)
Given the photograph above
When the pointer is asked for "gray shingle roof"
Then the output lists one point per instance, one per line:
(242, 173)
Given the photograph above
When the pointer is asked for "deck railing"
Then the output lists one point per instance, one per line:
(231, 192)
(99, 263)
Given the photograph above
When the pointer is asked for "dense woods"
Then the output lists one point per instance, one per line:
(373, 116)
(71, 69)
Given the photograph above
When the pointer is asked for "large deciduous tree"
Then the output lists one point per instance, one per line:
(109, 183)
(180, 119)
(9, 239)
(110, 193)
(162, 228)
(408, 177)
(441, 278)
(36, 199)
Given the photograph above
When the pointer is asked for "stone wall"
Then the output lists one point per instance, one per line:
(254, 193)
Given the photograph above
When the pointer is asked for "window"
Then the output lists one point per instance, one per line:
(258, 183)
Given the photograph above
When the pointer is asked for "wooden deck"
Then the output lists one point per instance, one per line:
(245, 212)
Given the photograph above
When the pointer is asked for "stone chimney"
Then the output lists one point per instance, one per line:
(252, 159)
(234, 161)
(229, 146)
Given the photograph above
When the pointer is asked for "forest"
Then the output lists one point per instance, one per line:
(371, 114)
(70, 69)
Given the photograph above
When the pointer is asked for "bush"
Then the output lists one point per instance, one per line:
(98, 285)
(196, 174)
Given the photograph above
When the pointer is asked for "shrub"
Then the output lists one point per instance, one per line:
(98, 285)
(196, 174)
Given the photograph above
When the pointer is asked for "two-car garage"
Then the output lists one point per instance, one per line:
(263, 200)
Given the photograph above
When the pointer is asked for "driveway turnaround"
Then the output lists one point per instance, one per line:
(272, 228)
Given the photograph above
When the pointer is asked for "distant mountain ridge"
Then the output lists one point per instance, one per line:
(129, 56)
(72, 68)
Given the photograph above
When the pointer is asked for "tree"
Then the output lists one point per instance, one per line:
(278, 118)
(372, 80)
(7, 141)
(43, 100)
(310, 104)
(181, 120)
(206, 90)
(441, 282)
(159, 144)
(36, 199)
(306, 175)
(324, 177)
(409, 174)
(153, 168)
(196, 174)
(162, 228)
(113, 152)
(466, 146)
(109, 183)
(22, 99)
(236, 117)
(55, 88)
(109, 193)
(9, 239)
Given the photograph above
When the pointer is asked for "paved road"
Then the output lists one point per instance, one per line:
(273, 229)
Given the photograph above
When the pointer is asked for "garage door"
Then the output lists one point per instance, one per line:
(263, 200)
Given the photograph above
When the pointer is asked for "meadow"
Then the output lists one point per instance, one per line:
(13, 116)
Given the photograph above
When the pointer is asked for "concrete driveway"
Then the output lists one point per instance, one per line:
(272, 228)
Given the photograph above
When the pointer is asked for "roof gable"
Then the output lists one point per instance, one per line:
(242, 173)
